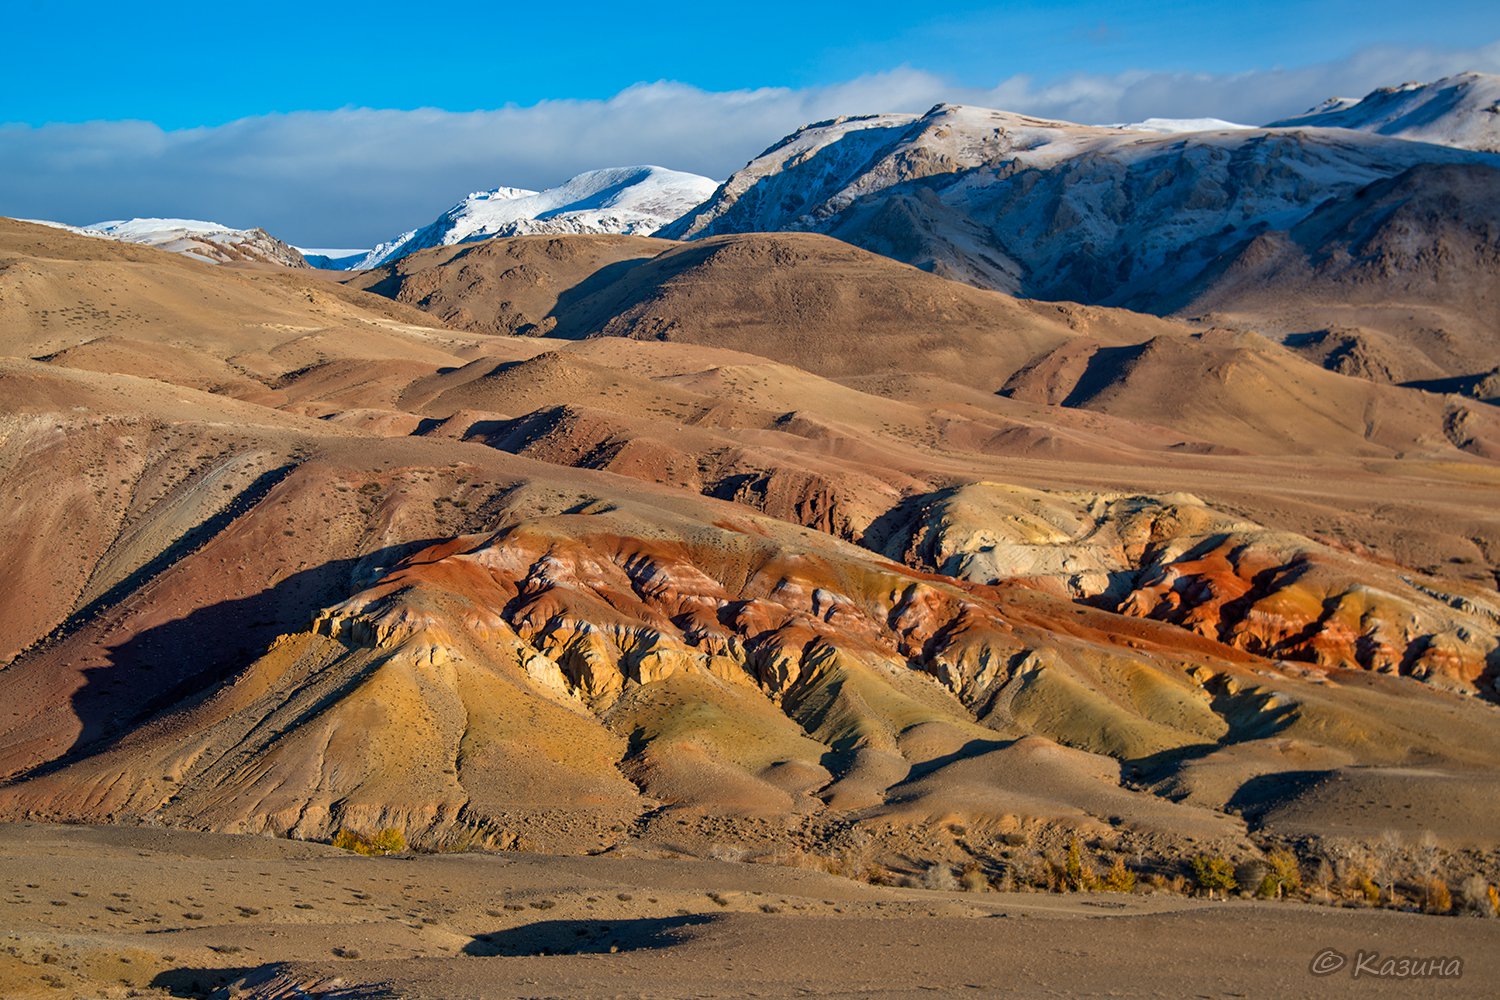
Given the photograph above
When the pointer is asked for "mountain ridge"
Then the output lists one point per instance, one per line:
(621, 200)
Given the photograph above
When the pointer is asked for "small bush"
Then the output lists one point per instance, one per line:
(1167, 883)
(1366, 887)
(1474, 896)
(973, 880)
(1119, 878)
(1213, 873)
(1251, 875)
(1078, 871)
(1436, 896)
(939, 878)
(387, 841)
(1283, 875)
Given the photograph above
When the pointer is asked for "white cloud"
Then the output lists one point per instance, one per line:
(1253, 98)
(354, 176)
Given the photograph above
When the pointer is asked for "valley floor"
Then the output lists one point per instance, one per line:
(137, 912)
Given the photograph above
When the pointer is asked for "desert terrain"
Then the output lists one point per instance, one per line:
(691, 608)
(112, 912)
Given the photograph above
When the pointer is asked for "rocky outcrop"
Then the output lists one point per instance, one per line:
(1173, 559)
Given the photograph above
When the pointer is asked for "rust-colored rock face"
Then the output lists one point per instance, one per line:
(300, 560)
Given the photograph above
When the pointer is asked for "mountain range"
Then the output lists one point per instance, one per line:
(1196, 218)
(938, 490)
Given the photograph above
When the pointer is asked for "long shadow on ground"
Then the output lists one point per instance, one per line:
(587, 937)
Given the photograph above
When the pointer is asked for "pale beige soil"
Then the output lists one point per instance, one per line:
(117, 912)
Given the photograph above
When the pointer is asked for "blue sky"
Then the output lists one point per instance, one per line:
(185, 64)
(340, 126)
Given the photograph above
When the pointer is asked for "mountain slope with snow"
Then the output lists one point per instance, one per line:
(206, 241)
(626, 200)
(1461, 110)
(1050, 209)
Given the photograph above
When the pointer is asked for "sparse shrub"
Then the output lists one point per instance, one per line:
(1036, 872)
(1386, 856)
(1283, 875)
(1213, 873)
(348, 840)
(972, 879)
(387, 841)
(1251, 875)
(1160, 882)
(939, 878)
(728, 852)
(1366, 887)
(1119, 878)
(1078, 871)
(1474, 896)
(1436, 896)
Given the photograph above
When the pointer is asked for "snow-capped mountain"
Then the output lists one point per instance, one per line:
(207, 241)
(630, 200)
(1460, 110)
(1051, 209)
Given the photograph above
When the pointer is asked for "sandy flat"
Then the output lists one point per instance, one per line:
(116, 912)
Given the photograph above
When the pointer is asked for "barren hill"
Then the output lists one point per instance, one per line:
(804, 299)
(292, 559)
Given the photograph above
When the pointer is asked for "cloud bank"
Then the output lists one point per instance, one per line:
(353, 177)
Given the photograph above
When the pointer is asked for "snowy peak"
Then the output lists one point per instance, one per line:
(1127, 216)
(1461, 110)
(206, 241)
(630, 200)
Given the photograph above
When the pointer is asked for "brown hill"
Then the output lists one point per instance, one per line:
(835, 310)
(1241, 389)
(125, 308)
(804, 299)
(603, 592)
(506, 286)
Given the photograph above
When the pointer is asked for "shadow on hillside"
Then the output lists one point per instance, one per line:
(587, 937)
(1265, 792)
(590, 303)
(182, 661)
